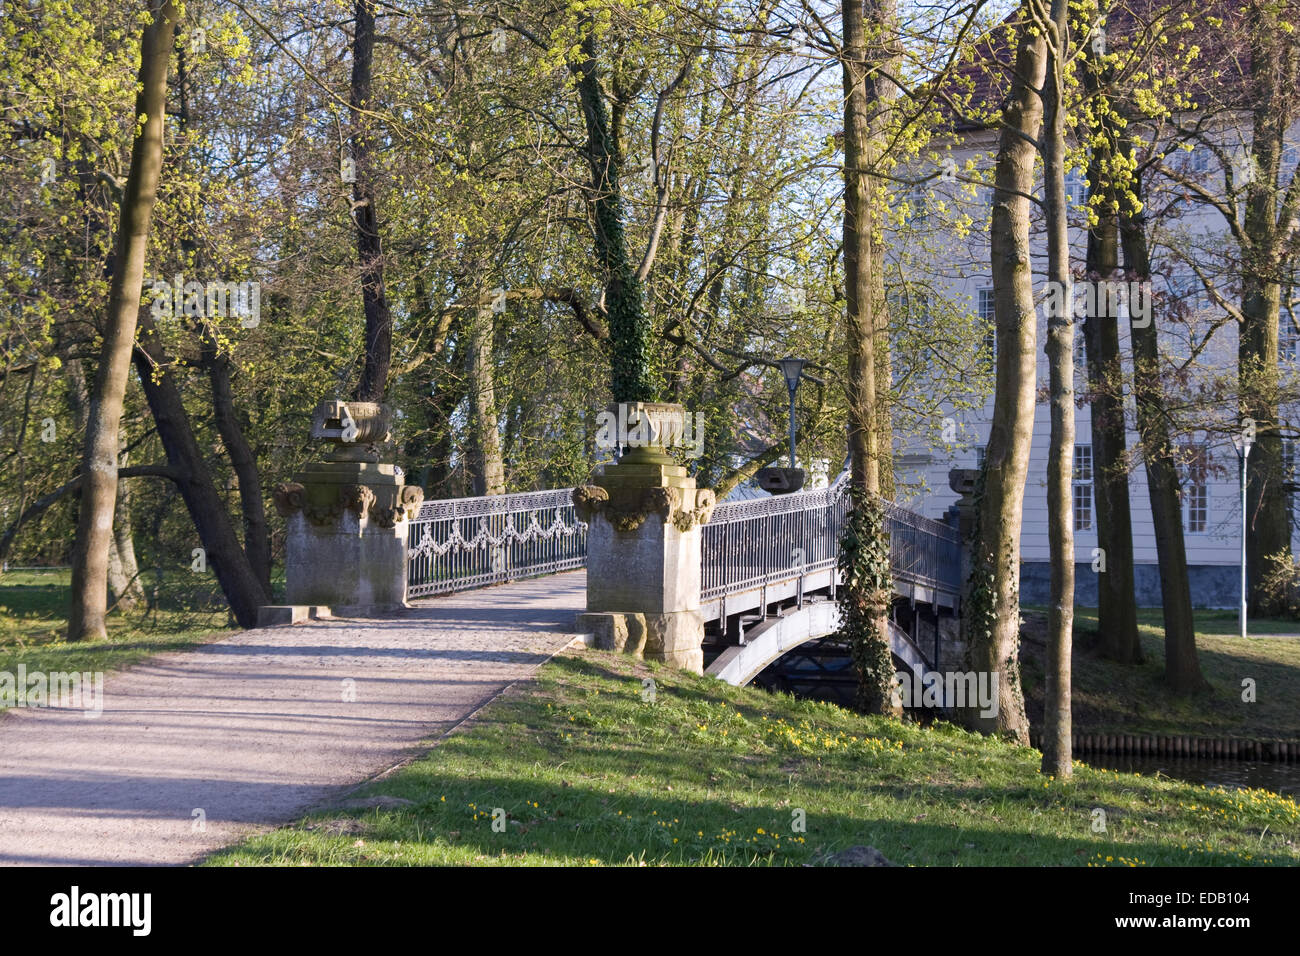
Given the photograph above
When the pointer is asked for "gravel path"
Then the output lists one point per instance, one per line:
(256, 729)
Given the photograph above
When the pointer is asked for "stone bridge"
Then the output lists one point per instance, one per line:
(767, 570)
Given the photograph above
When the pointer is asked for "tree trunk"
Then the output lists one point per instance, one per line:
(99, 491)
(859, 257)
(1182, 668)
(1267, 513)
(883, 64)
(489, 471)
(123, 578)
(257, 533)
(1116, 598)
(379, 320)
(1060, 363)
(239, 582)
(632, 378)
(992, 624)
(868, 591)
(123, 571)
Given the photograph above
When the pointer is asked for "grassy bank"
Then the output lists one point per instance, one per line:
(1114, 698)
(34, 616)
(585, 766)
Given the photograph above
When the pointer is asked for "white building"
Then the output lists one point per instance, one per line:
(1211, 492)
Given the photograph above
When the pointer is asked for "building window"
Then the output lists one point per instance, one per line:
(1080, 347)
(981, 454)
(988, 316)
(909, 305)
(1196, 508)
(1191, 162)
(1082, 488)
(1076, 188)
(1196, 491)
(1288, 338)
(918, 201)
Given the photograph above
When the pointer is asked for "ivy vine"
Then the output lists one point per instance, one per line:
(867, 592)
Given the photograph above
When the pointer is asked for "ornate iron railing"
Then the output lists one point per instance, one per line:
(922, 551)
(462, 543)
(751, 543)
(748, 544)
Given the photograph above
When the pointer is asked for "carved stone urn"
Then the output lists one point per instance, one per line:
(643, 543)
(347, 516)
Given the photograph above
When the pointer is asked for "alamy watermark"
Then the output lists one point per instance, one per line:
(213, 299)
(131, 911)
(71, 691)
(631, 427)
(947, 690)
(1103, 297)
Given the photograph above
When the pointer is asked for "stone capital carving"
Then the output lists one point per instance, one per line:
(320, 510)
(706, 499)
(356, 498)
(399, 507)
(628, 509)
(289, 497)
(324, 504)
(589, 501)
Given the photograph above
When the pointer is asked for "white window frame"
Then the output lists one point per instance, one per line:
(918, 202)
(1195, 496)
(1081, 486)
(1288, 337)
(1076, 188)
(986, 309)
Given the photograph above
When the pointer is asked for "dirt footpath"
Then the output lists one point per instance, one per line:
(197, 749)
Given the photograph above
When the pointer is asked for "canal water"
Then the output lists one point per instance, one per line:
(1281, 778)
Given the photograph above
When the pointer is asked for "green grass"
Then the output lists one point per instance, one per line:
(589, 772)
(1114, 698)
(34, 616)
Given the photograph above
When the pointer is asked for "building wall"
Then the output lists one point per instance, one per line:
(960, 268)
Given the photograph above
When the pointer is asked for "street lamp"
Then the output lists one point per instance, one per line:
(792, 368)
(1242, 442)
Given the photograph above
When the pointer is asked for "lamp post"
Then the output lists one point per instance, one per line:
(1243, 443)
(792, 368)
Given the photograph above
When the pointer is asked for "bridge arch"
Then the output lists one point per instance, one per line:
(776, 636)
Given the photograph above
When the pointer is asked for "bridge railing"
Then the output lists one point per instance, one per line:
(748, 544)
(923, 551)
(462, 543)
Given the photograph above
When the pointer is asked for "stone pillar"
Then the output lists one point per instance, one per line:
(643, 549)
(347, 518)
